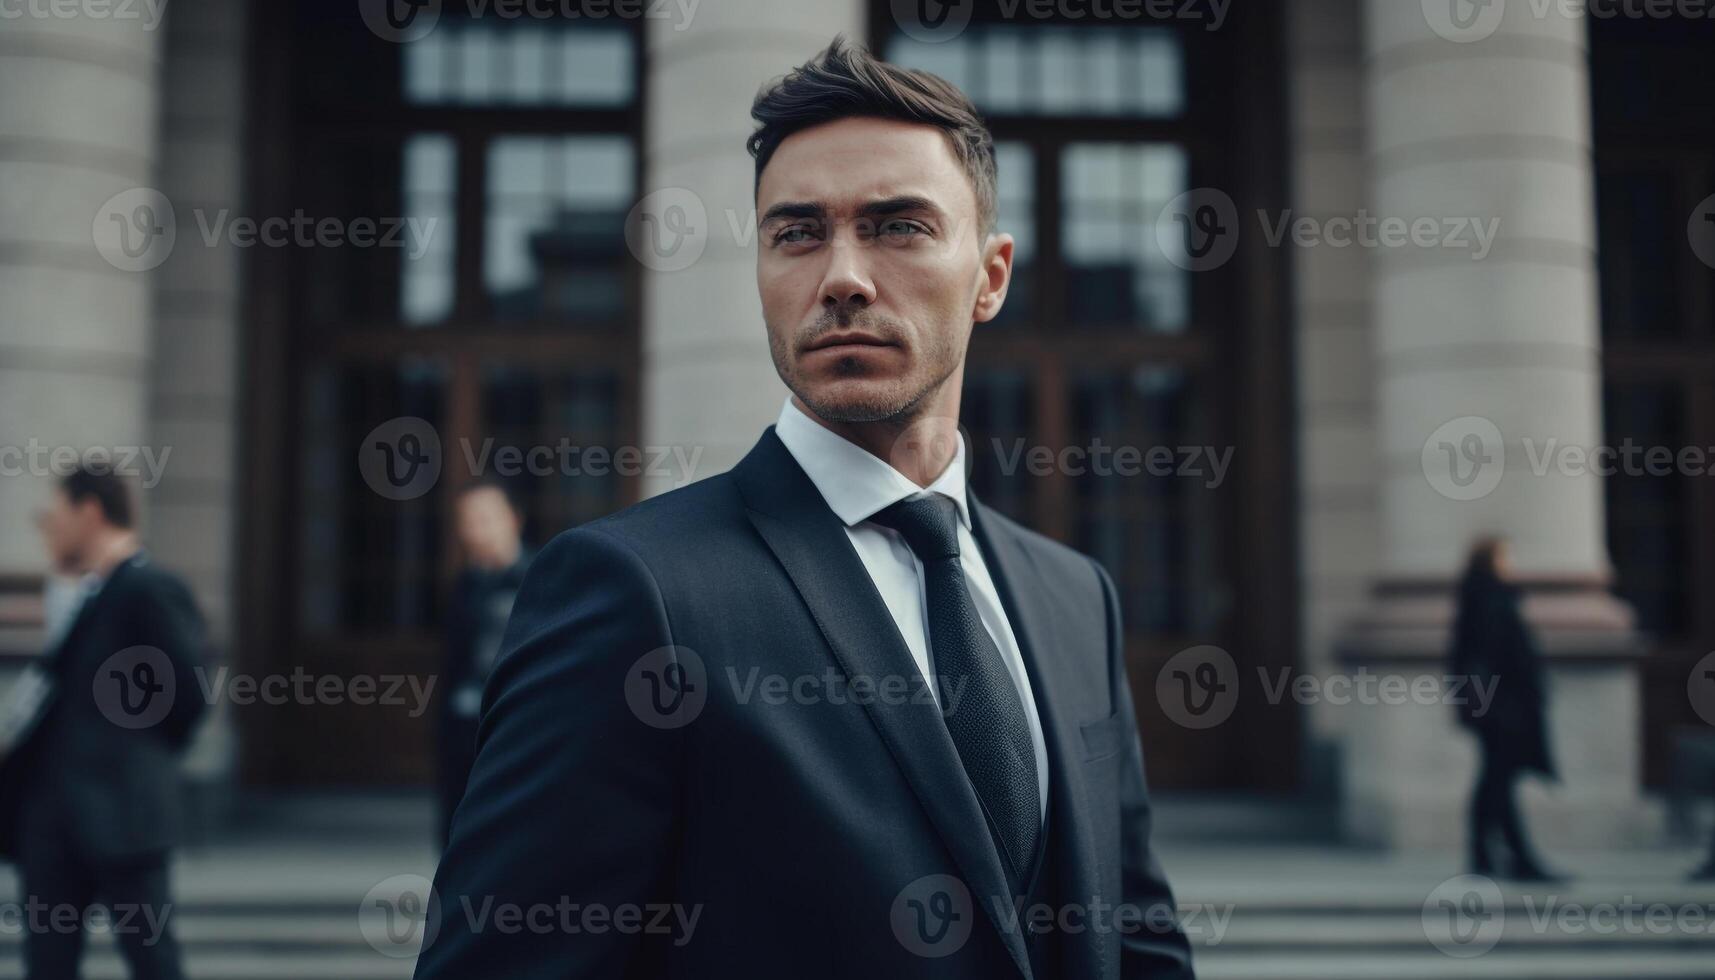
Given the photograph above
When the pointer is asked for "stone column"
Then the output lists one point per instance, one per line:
(1485, 353)
(78, 117)
(194, 402)
(1338, 508)
(708, 381)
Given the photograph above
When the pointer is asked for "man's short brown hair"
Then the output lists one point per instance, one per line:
(94, 480)
(846, 81)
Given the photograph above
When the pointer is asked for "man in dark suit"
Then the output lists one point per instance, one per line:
(93, 791)
(825, 714)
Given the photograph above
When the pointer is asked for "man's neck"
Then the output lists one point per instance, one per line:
(110, 550)
(919, 447)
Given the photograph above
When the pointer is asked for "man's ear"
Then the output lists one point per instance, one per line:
(995, 275)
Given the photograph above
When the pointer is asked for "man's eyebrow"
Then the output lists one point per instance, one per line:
(793, 209)
(870, 209)
(897, 205)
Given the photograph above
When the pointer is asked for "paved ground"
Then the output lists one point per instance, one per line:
(290, 894)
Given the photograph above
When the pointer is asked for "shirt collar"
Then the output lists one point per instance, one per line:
(855, 483)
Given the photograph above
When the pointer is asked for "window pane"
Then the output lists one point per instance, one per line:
(378, 217)
(1057, 69)
(1643, 237)
(1016, 204)
(570, 414)
(1153, 529)
(554, 243)
(367, 563)
(1116, 275)
(996, 409)
(426, 283)
(521, 62)
(1647, 527)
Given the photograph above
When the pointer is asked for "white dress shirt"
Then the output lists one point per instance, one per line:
(856, 485)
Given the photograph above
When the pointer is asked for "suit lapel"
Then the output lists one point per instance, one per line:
(1071, 856)
(811, 545)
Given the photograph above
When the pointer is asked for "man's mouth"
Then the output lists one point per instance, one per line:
(848, 338)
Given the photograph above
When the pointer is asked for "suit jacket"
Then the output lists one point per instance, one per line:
(809, 833)
(115, 784)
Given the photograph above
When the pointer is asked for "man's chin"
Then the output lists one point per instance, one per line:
(856, 400)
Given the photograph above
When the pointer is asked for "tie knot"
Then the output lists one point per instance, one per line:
(929, 524)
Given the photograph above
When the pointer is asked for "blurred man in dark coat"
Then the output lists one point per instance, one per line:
(93, 791)
(490, 533)
(1492, 645)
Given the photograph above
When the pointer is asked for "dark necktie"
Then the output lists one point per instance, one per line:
(988, 725)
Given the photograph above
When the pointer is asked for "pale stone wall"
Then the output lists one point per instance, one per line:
(708, 380)
(78, 124)
(1338, 507)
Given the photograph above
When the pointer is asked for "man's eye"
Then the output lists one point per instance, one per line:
(901, 228)
(795, 235)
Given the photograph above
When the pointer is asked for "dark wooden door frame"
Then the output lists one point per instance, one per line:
(273, 355)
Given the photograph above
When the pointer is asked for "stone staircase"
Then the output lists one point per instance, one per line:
(1262, 912)
(280, 897)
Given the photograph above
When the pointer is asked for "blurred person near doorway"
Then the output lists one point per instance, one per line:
(91, 793)
(489, 528)
(1494, 647)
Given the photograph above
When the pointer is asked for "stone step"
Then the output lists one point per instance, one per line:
(1296, 932)
(100, 964)
(277, 933)
(1494, 965)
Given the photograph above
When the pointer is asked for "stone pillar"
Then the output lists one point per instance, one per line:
(194, 406)
(1484, 355)
(78, 116)
(1337, 500)
(708, 381)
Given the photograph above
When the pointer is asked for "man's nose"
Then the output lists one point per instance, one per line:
(847, 278)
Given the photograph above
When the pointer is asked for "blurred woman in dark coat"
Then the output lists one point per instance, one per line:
(1492, 645)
